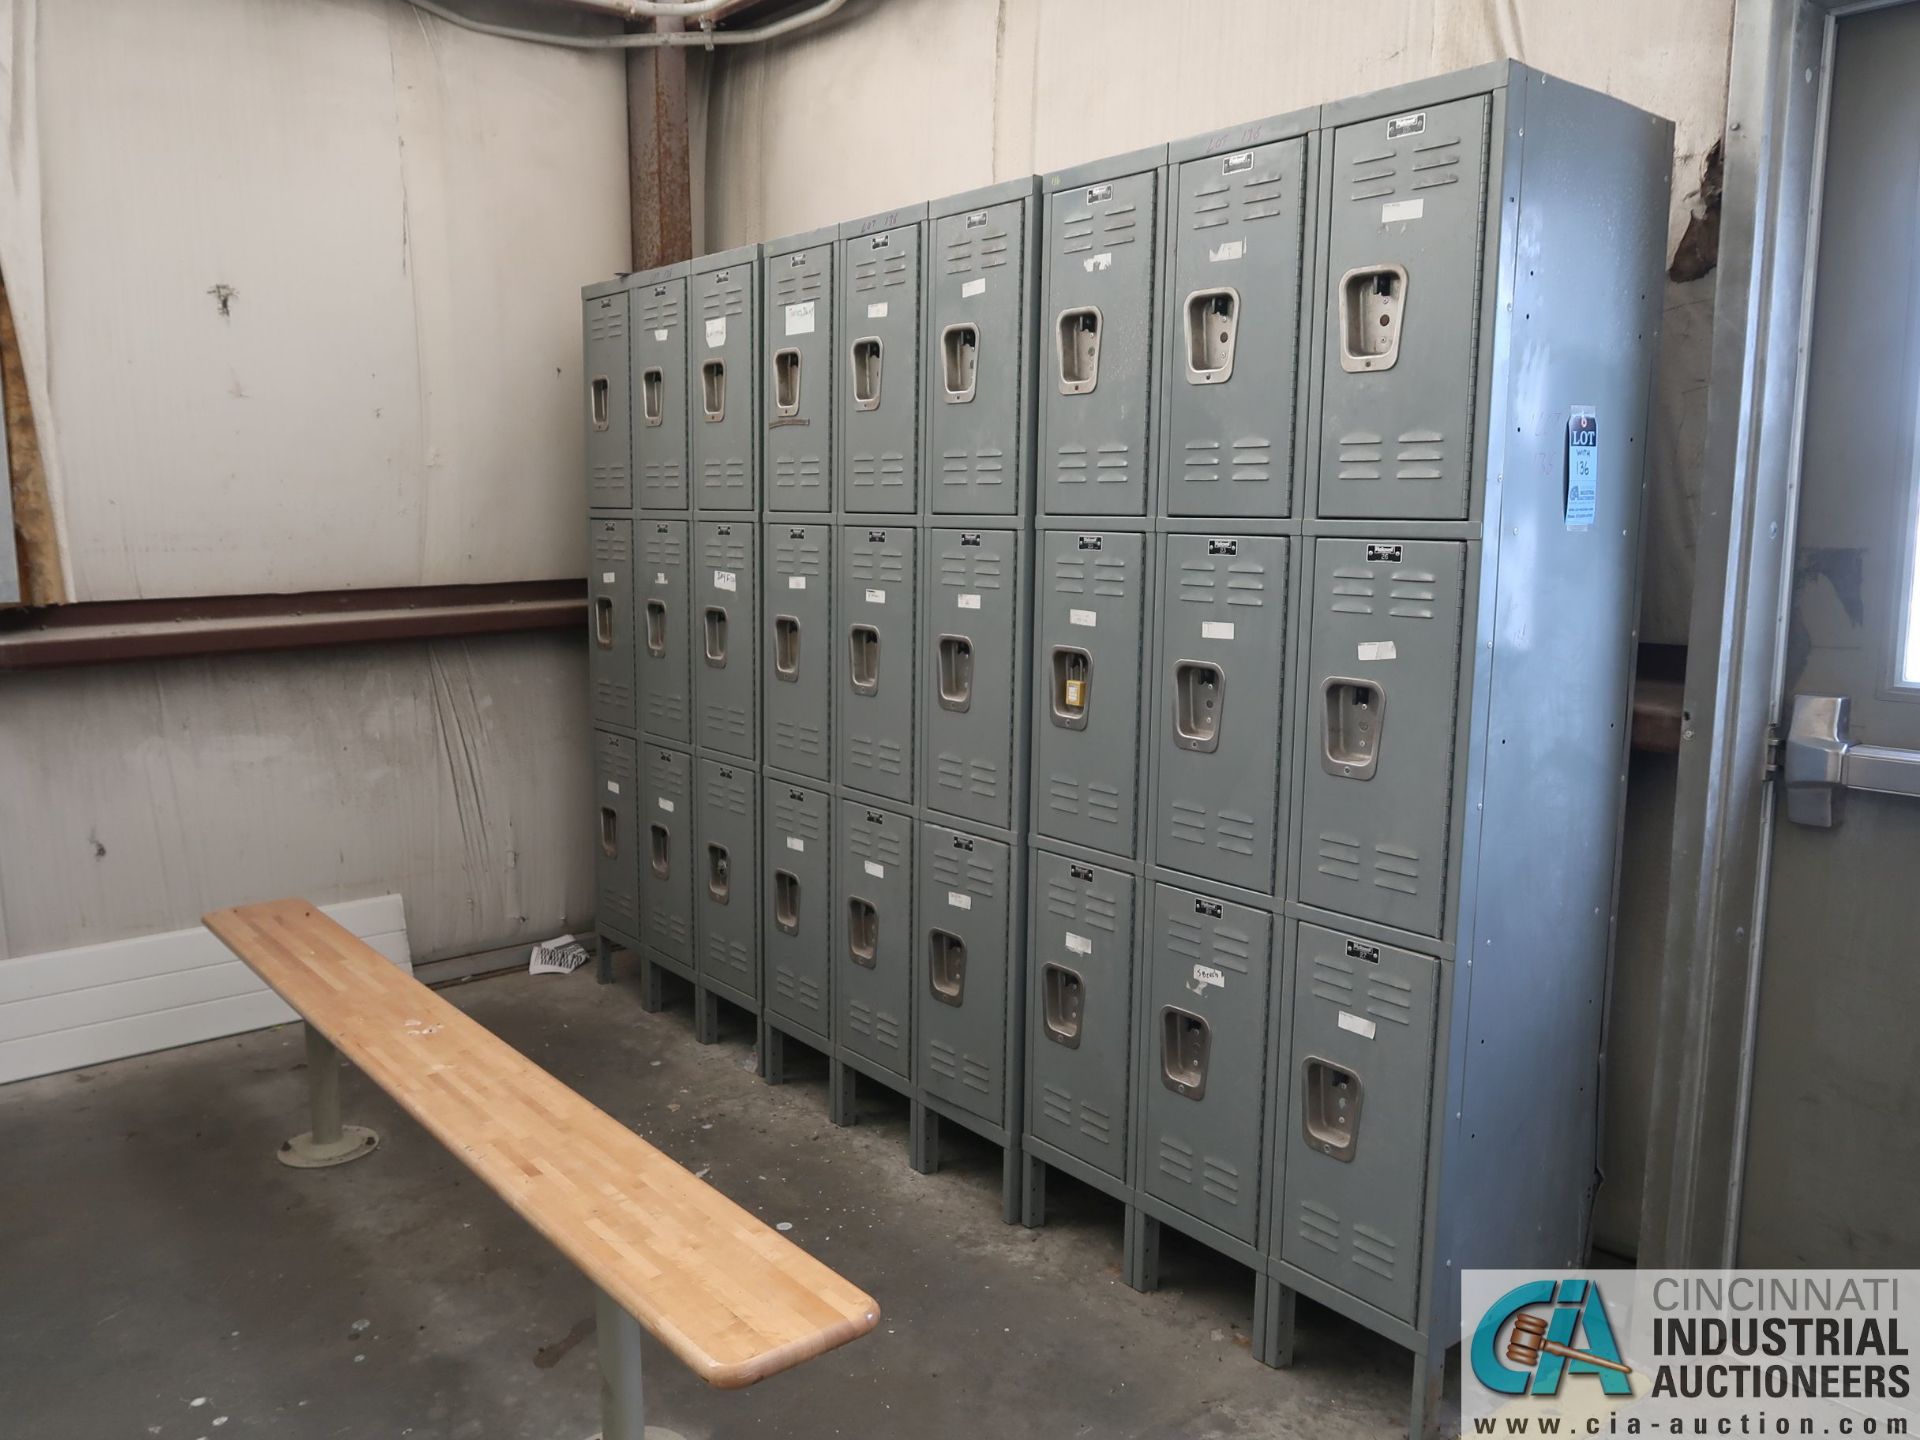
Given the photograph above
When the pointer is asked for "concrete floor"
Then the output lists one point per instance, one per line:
(161, 1275)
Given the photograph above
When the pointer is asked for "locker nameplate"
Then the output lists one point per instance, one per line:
(968, 602)
(959, 901)
(976, 219)
(875, 869)
(607, 577)
(794, 842)
(796, 582)
(1209, 908)
(1088, 618)
(1097, 193)
(1393, 211)
(1205, 975)
(1091, 542)
(1079, 944)
(1377, 650)
(726, 580)
(1358, 1025)
(800, 318)
(1080, 872)
(1234, 164)
(613, 787)
(1368, 953)
(1400, 125)
(1216, 629)
(1384, 554)
(716, 333)
(877, 310)
(876, 597)
(1223, 547)
(665, 804)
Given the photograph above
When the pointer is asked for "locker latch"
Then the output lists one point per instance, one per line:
(786, 901)
(1353, 712)
(598, 394)
(1079, 347)
(603, 622)
(656, 628)
(1373, 300)
(713, 390)
(719, 874)
(786, 648)
(1330, 1108)
(863, 645)
(863, 932)
(866, 373)
(715, 627)
(786, 383)
(659, 852)
(1184, 1041)
(1072, 686)
(1213, 320)
(609, 832)
(947, 968)
(1199, 702)
(1063, 995)
(651, 382)
(956, 673)
(960, 359)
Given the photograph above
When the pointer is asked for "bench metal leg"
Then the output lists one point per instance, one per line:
(623, 1408)
(328, 1142)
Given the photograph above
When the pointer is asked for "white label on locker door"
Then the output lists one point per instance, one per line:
(973, 288)
(794, 842)
(665, 804)
(969, 602)
(1216, 629)
(876, 597)
(716, 332)
(1098, 262)
(1079, 944)
(659, 577)
(1231, 250)
(959, 901)
(1205, 975)
(606, 578)
(877, 310)
(726, 580)
(613, 787)
(1358, 1025)
(796, 582)
(1396, 210)
(1088, 618)
(800, 318)
(1378, 650)
(660, 336)
(878, 871)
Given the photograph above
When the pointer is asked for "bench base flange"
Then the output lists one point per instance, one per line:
(303, 1152)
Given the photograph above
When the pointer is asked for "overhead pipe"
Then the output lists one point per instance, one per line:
(706, 37)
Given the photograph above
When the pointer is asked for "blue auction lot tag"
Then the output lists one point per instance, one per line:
(1583, 467)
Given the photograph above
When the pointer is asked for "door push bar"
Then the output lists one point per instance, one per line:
(1820, 762)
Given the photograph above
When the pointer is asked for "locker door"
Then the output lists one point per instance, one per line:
(797, 646)
(966, 914)
(1097, 329)
(616, 787)
(1383, 667)
(725, 885)
(977, 362)
(1361, 1080)
(873, 935)
(660, 394)
(610, 642)
(797, 916)
(873, 729)
(664, 632)
(609, 436)
(1222, 654)
(971, 659)
(1206, 1057)
(1081, 1003)
(1088, 652)
(1402, 316)
(724, 628)
(720, 388)
(666, 852)
(879, 398)
(797, 380)
(1233, 322)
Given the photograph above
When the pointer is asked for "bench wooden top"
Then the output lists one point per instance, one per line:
(720, 1288)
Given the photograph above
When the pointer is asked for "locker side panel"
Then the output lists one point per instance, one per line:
(726, 883)
(725, 627)
(964, 954)
(879, 397)
(721, 362)
(977, 363)
(616, 789)
(873, 723)
(796, 640)
(666, 856)
(660, 394)
(610, 620)
(873, 935)
(664, 632)
(971, 663)
(797, 913)
(797, 380)
(609, 419)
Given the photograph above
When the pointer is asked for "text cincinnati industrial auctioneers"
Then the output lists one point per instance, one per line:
(1732, 1344)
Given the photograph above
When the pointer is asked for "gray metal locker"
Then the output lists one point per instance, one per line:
(978, 358)
(1402, 313)
(616, 875)
(1209, 964)
(873, 935)
(726, 862)
(1381, 686)
(972, 665)
(1097, 323)
(797, 915)
(665, 824)
(609, 436)
(877, 407)
(1087, 659)
(1222, 657)
(610, 644)
(797, 642)
(1354, 1133)
(725, 626)
(965, 953)
(873, 721)
(659, 303)
(664, 631)
(723, 295)
(1233, 329)
(1080, 998)
(797, 375)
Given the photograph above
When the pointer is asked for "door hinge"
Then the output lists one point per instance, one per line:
(1773, 752)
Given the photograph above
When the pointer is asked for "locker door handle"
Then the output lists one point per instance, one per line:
(1373, 302)
(863, 932)
(1063, 996)
(719, 874)
(1185, 1039)
(716, 633)
(713, 390)
(866, 373)
(1199, 704)
(786, 901)
(960, 362)
(863, 642)
(598, 393)
(1072, 689)
(1353, 713)
(1213, 323)
(603, 621)
(786, 383)
(786, 648)
(656, 628)
(1078, 343)
(947, 967)
(609, 832)
(1330, 1108)
(652, 382)
(659, 850)
(956, 673)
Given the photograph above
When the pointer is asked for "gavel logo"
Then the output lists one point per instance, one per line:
(1528, 1342)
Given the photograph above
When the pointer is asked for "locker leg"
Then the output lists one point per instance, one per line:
(1012, 1203)
(1141, 1264)
(773, 1055)
(1033, 1197)
(603, 971)
(842, 1100)
(1429, 1379)
(706, 1015)
(1273, 1319)
(653, 990)
(923, 1139)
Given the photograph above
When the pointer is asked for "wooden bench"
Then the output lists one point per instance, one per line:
(731, 1298)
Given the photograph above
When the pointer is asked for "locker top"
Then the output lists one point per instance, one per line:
(885, 220)
(801, 240)
(1478, 80)
(659, 275)
(1111, 168)
(1246, 135)
(725, 259)
(604, 287)
(1021, 187)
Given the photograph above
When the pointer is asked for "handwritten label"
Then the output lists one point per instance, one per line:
(1378, 650)
(796, 582)
(878, 871)
(959, 901)
(968, 602)
(1079, 944)
(800, 318)
(1088, 618)
(794, 842)
(876, 597)
(725, 580)
(973, 288)
(1216, 629)
(716, 333)
(1358, 1025)
(1394, 211)
(1101, 261)
(1205, 975)
(1230, 250)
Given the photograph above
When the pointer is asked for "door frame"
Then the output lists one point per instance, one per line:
(1778, 92)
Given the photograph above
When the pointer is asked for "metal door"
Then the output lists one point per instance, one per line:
(873, 723)
(873, 935)
(610, 605)
(725, 624)
(797, 379)
(797, 647)
(1231, 352)
(1089, 648)
(977, 361)
(609, 436)
(663, 631)
(796, 917)
(665, 824)
(971, 657)
(965, 954)
(878, 398)
(660, 394)
(726, 862)
(616, 791)
(720, 388)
